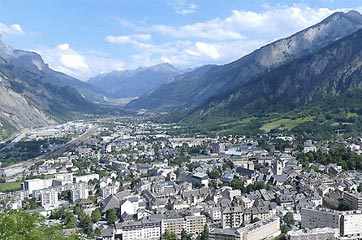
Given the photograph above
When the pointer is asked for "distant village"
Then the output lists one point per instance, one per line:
(136, 180)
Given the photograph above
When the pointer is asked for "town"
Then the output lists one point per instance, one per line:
(130, 178)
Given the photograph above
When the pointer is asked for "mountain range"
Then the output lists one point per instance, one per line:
(312, 77)
(32, 94)
(134, 83)
(202, 86)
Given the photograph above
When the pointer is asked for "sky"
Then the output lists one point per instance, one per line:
(84, 38)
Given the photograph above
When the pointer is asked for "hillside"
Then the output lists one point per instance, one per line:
(34, 95)
(191, 90)
(321, 90)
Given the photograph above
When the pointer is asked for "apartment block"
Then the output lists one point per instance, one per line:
(232, 217)
(79, 193)
(195, 224)
(265, 229)
(353, 200)
(143, 230)
(49, 198)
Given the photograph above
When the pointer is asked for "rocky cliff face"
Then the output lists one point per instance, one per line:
(17, 111)
(197, 88)
(31, 94)
(331, 71)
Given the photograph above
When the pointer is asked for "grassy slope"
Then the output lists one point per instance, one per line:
(285, 123)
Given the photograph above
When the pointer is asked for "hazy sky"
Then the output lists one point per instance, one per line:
(86, 37)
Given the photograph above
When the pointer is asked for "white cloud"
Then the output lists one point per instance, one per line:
(13, 29)
(74, 63)
(218, 40)
(184, 8)
(274, 22)
(205, 50)
(133, 39)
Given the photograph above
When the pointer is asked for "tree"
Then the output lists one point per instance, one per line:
(30, 203)
(86, 224)
(214, 174)
(96, 215)
(169, 235)
(20, 225)
(359, 188)
(288, 219)
(70, 220)
(184, 235)
(205, 233)
(111, 215)
(255, 220)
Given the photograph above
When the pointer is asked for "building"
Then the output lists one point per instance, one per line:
(351, 225)
(232, 217)
(195, 224)
(173, 225)
(348, 224)
(108, 190)
(36, 184)
(313, 234)
(79, 193)
(191, 224)
(277, 167)
(260, 213)
(224, 234)
(142, 230)
(200, 179)
(215, 213)
(86, 178)
(309, 147)
(127, 207)
(49, 198)
(320, 218)
(353, 200)
(267, 228)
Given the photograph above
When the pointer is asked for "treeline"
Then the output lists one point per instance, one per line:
(340, 155)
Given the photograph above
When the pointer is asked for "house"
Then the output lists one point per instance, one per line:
(200, 179)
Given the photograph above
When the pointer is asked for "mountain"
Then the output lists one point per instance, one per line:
(34, 95)
(134, 83)
(32, 62)
(329, 72)
(197, 88)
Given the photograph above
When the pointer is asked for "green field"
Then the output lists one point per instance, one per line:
(235, 125)
(10, 186)
(285, 123)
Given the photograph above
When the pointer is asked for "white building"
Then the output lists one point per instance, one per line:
(215, 213)
(49, 199)
(264, 229)
(126, 206)
(36, 184)
(143, 230)
(86, 178)
(232, 217)
(80, 192)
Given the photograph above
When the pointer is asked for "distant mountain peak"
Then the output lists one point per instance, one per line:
(134, 83)
(355, 15)
(4, 48)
